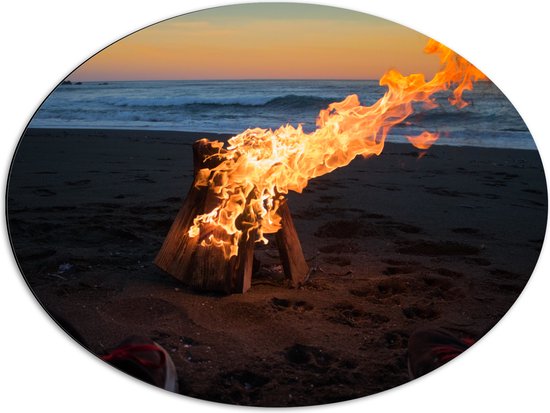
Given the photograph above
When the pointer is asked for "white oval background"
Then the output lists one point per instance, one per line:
(42, 369)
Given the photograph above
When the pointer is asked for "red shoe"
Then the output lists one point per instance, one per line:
(430, 349)
(146, 360)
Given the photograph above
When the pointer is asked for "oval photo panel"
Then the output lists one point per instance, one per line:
(277, 204)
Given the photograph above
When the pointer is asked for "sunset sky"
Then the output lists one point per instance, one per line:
(263, 41)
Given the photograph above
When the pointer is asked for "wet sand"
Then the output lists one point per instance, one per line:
(395, 243)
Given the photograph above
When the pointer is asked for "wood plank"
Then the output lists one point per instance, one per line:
(205, 268)
(241, 267)
(290, 249)
(177, 251)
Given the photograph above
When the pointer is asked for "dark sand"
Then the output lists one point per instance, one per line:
(396, 242)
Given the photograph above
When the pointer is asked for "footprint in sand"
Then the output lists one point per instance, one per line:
(45, 173)
(465, 230)
(455, 274)
(346, 314)
(420, 311)
(145, 179)
(340, 247)
(309, 355)
(433, 248)
(399, 270)
(80, 182)
(337, 260)
(437, 286)
(282, 304)
(239, 387)
(505, 274)
(173, 200)
(393, 286)
(43, 192)
(396, 339)
(327, 199)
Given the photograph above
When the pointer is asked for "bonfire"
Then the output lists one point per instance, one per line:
(239, 192)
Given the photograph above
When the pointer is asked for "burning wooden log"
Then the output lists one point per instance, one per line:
(206, 267)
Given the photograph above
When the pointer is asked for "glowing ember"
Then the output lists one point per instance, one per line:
(259, 165)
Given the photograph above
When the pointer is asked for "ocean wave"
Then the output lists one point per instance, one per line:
(279, 102)
(444, 116)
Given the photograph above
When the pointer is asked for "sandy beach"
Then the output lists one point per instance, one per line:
(396, 243)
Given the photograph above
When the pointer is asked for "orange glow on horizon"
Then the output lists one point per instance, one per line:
(252, 47)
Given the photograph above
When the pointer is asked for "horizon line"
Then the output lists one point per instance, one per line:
(214, 80)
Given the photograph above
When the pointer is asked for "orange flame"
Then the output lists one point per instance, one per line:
(261, 165)
(424, 140)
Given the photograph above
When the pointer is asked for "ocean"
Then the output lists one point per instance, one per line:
(231, 106)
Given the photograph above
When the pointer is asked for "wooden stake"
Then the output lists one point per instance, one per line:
(290, 249)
